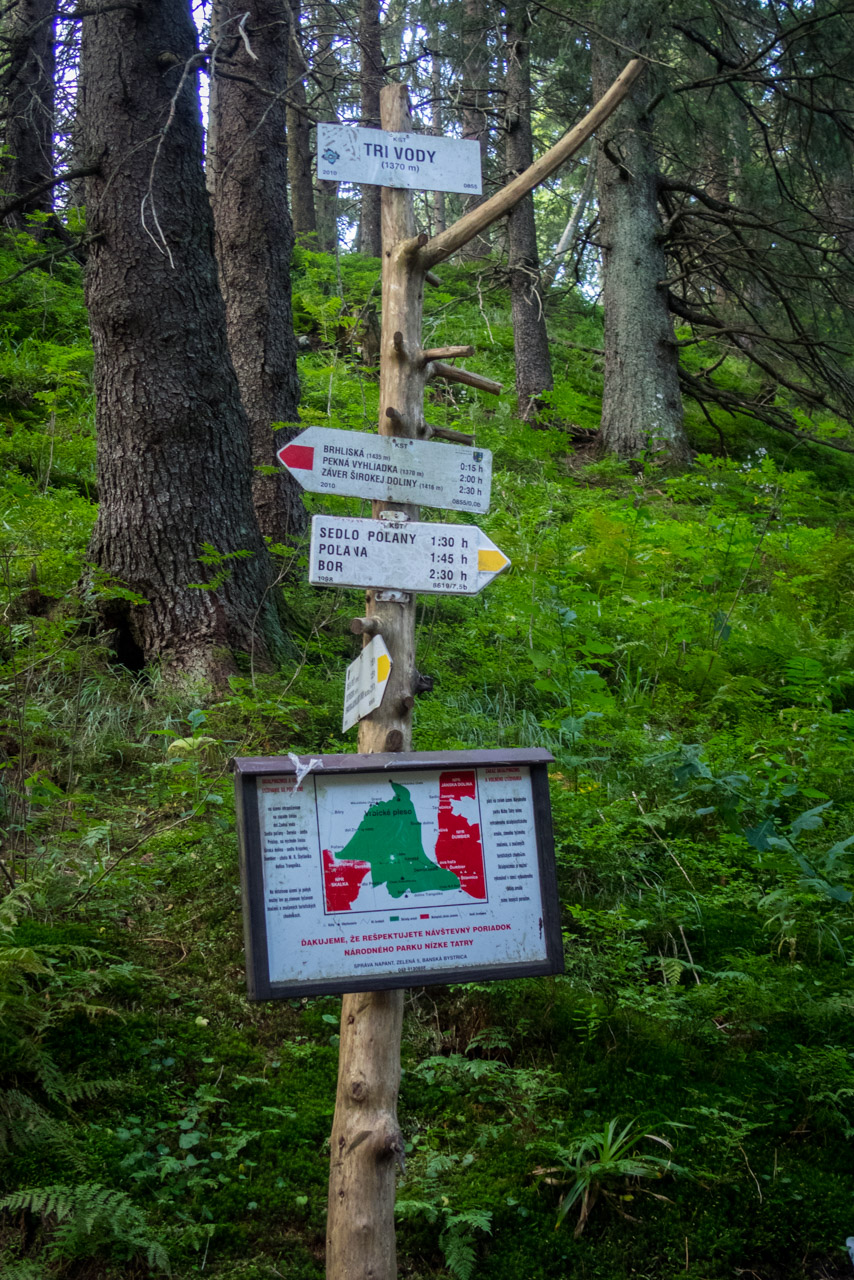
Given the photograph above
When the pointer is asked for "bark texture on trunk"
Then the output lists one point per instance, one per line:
(327, 71)
(474, 81)
(370, 84)
(641, 403)
(366, 1140)
(531, 343)
(299, 152)
(28, 90)
(254, 241)
(437, 126)
(174, 463)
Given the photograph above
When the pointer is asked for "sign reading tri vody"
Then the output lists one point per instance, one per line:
(375, 157)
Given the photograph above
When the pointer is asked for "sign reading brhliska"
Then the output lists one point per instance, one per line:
(354, 464)
(367, 678)
(368, 871)
(438, 559)
(376, 157)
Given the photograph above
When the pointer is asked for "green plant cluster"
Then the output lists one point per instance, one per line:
(681, 1100)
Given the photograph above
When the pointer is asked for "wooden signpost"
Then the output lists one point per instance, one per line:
(277, 834)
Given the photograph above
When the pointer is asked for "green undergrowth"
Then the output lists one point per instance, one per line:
(683, 645)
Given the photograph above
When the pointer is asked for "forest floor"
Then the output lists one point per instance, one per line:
(682, 643)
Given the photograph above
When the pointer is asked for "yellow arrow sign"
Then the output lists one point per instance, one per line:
(491, 560)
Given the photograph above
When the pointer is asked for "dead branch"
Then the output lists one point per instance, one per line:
(477, 220)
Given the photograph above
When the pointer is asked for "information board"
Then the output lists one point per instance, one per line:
(417, 161)
(436, 559)
(375, 871)
(354, 464)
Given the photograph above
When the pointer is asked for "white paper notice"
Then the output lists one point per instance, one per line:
(375, 874)
(374, 157)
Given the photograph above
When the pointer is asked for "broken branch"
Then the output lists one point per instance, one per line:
(477, 220)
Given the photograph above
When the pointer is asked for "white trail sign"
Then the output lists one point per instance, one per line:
(355, 464)
(437, 559)
(417, 161)
(367, 678)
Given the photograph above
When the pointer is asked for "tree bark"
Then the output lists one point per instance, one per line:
(299, 151)
(326, 74)
(436, 115)
(28, 90)
(641, 403)
(531, 343)
(370, 84)
(474, 79)
(254, 241)
(174, 463)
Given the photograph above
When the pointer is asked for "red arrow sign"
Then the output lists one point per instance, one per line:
(297, 455)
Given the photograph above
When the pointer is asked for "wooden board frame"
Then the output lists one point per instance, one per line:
(247, 773)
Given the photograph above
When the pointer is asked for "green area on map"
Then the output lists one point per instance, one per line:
(389, 839)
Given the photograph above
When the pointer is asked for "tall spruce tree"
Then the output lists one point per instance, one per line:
(27, 95)
(530, 340)
(641, 400)
(174, 459)
(248, 180)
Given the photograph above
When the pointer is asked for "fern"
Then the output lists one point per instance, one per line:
(22, 1269)
(87, 1217)
(458, 1242)
(24, 1124)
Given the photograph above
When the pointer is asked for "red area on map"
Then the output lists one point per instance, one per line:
(459, 847)
(342, 881)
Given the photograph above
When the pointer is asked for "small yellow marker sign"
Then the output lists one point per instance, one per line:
(367, 678)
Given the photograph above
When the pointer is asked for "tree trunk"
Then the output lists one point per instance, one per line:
(326, 74)
(436, 116)
(641, 403)
(474, 81)
(174, 464)
(28, 89)
(370, 83)
(531, 343)
(299, 151)
(254, 241)
(570, 231)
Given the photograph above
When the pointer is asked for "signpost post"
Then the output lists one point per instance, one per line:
(366, 1144)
